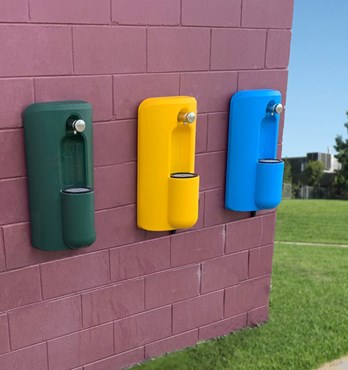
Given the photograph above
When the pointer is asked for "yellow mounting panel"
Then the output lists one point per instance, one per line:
(168, 188)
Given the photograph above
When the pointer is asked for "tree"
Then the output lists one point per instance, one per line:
(341, 147)
(287, 178)
(313, 173)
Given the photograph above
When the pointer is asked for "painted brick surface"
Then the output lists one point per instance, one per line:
(115, 186)
(76, 349)
(247, 296)
(19, 288)
(74, 274)
(15, 95)
(171, 344)
(121, 361)
(217, 132)
(64, 11)
(197, 312)
(260, 261)
(267, 14)
(197, 246)
(131, 90)
(115, 143)
(140, 259)
(133, 294)
(222, 327)
(168, 49)
(142, 329)
(4, 335)
(45, 320)
(172, 286)
(215, 212)
(225, 13)
(2, 252)
(229, 51)
(278, 48)
(112, 303)
(258, 315)
(35, 50)
(34, 357)
(14, 11)
(224, 271)
(243, 235)
(213, 90)
(13, 200)
(11, 158)
(96, 90)
(109, 50)
(156, 12)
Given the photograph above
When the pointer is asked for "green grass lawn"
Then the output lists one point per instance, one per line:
(321, 221)
(308, 323)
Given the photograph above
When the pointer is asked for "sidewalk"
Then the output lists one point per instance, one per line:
(341, 364)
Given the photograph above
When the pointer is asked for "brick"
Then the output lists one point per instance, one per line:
(243, 235)
(131, 90)
(267, 14)
(225, 13)
(109, 50)
(201, 133)
(19, 288)
(211, 168)
(117, 227)
(260, 261)
(74, 274)
(124, 360)
(65, 11)
(213, 90)
(171, 344)
(223, 327)
(171, 286)
(224, 271)
(215, 212)
(2, 252)
(15, 95)
(278, 48)
(35, 50)
(268, 229)
(12, 162)
(45, 320)
(96, 90)
(13, 200)
(156, 12)
(112, 303)
(140, 259)
(217, 131)
(115, 185)
(277, 80)
(34, 357)
(258, 316)
(197, 245)
(197, 312)
(247, 296)
(78, 349)
(168, 49)
(14, 11)
(142, 329)
(115, 143)
(229, 49)
(20, 253)
(4, 335)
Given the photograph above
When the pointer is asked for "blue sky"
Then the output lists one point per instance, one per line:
(317, 98)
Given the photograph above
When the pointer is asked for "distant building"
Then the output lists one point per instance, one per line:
(298, 165)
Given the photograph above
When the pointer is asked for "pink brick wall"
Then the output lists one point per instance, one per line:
(133, 294)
